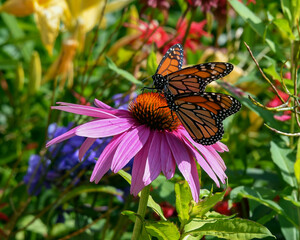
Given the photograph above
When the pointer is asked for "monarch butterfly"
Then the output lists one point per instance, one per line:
(201, 113)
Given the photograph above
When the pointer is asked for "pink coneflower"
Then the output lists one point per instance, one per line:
(149, 133)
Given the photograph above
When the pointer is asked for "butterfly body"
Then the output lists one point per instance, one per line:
(201, 113)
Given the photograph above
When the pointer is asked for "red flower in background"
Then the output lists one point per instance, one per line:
(151, 31)
(195, 33)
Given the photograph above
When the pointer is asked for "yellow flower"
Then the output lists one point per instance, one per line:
(63, 65)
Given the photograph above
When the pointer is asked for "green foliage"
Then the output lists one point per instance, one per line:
(117, 53)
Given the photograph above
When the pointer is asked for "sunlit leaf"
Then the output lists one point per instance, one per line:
(162, 230)
(206, 204)
(183, 199)
(234, 229)
(284, 27)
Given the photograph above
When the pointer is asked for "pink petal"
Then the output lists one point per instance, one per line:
(63, 137)
(104, 162)
(209, 158)
(104, 127)
(282, 118)
(153, 162)
(138, 168)
(202, 162)
(131, 144)
(217, 157)
(102, 105)
(167, 161)
(218, 169)
(220, 147)
(185, 163)
(85, 146)
(87, 110)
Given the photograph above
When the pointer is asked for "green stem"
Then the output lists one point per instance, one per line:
(141, 211)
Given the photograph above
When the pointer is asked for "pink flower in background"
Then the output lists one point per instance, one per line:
(275, 102)
(149, 133)
(206, 5)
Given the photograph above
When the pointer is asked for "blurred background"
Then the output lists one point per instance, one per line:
(75, 51)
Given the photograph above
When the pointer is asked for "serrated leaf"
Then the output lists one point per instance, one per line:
(151, 63)
(205, 205)
(282, 157)
(128, 76)
(162, 230)
(284, 27)
(183, 198)
(234, 229)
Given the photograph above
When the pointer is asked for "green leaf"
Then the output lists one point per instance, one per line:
(284, 27)
(297, 164)
(125, 175)
(261, 195)
(130, 214)
(290, 231)
(162, 230)
(205, 205)
(151, 63)
(271, 70)
(128, 76)
(255, 22)
(151, 203)
(37, 226)
(183, 198)
(11, 22)
(283, 158)
(285, 5)
(233, 229)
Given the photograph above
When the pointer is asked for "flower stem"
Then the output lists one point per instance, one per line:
(141, 211)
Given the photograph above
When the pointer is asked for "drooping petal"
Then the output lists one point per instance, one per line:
(184, 160)
(104, 162)
(85, 146)
(167, 161)
(138, 168)
(220, 147)
(213, 163)
(153, 162)
(131, 144)
(209, 158)
(104, 127)
(217, 157)
(63, 137)
(202, 162)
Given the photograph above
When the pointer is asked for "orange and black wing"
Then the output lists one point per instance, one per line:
(202, 114)
(195, 78)
(172, 61)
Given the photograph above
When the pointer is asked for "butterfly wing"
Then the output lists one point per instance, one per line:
(202, 114)
(195, 78)
(172, 60)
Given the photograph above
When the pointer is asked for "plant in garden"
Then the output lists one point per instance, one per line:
(76, 51)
